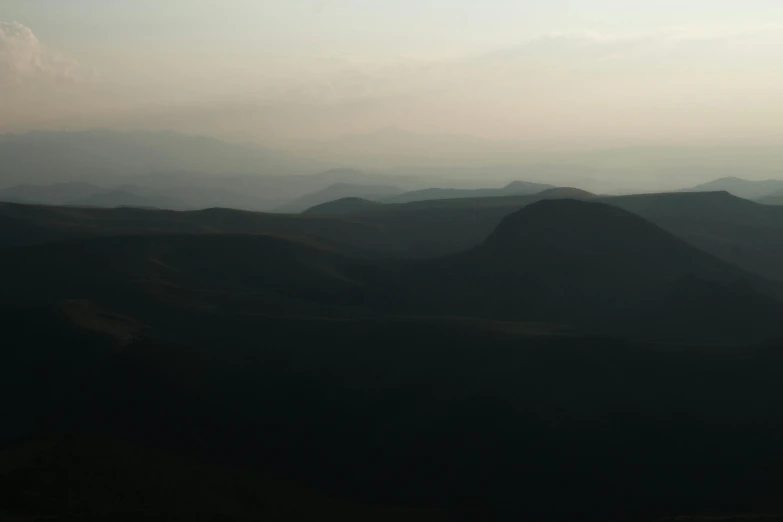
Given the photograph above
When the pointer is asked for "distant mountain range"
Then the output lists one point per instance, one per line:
(188, 192)
(54, 194)
(89, 195)
(386, 194)
(741, 187)
(249, 193)
(102, 155)
(178, 171)
(609, 170)
(512, 189)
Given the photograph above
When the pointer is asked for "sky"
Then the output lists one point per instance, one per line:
(585, 72)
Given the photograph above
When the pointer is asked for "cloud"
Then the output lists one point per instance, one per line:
(575, 64)
(684, 81)
(25, 61)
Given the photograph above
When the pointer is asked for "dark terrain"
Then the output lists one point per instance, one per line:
(508, 358)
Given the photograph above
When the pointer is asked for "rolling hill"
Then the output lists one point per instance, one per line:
(147, 275)
(33, 224)
(563, 262)
(738, 231)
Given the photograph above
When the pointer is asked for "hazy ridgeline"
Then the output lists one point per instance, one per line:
(393, 261)
(185, 172)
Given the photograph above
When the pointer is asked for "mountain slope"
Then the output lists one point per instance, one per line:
(736, 230)
(602, 268)
(136, 274)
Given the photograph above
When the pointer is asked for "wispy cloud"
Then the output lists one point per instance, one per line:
(573, 63)
(25, 60)
(682, 82)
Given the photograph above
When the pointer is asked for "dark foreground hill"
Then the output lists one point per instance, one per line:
(160, 276)
(382, 419)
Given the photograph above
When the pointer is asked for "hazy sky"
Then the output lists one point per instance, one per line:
(570, 71)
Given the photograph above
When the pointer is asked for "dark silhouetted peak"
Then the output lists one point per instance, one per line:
(570, 219)
(595, 232)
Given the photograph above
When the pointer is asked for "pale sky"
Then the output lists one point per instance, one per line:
(581, 71)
